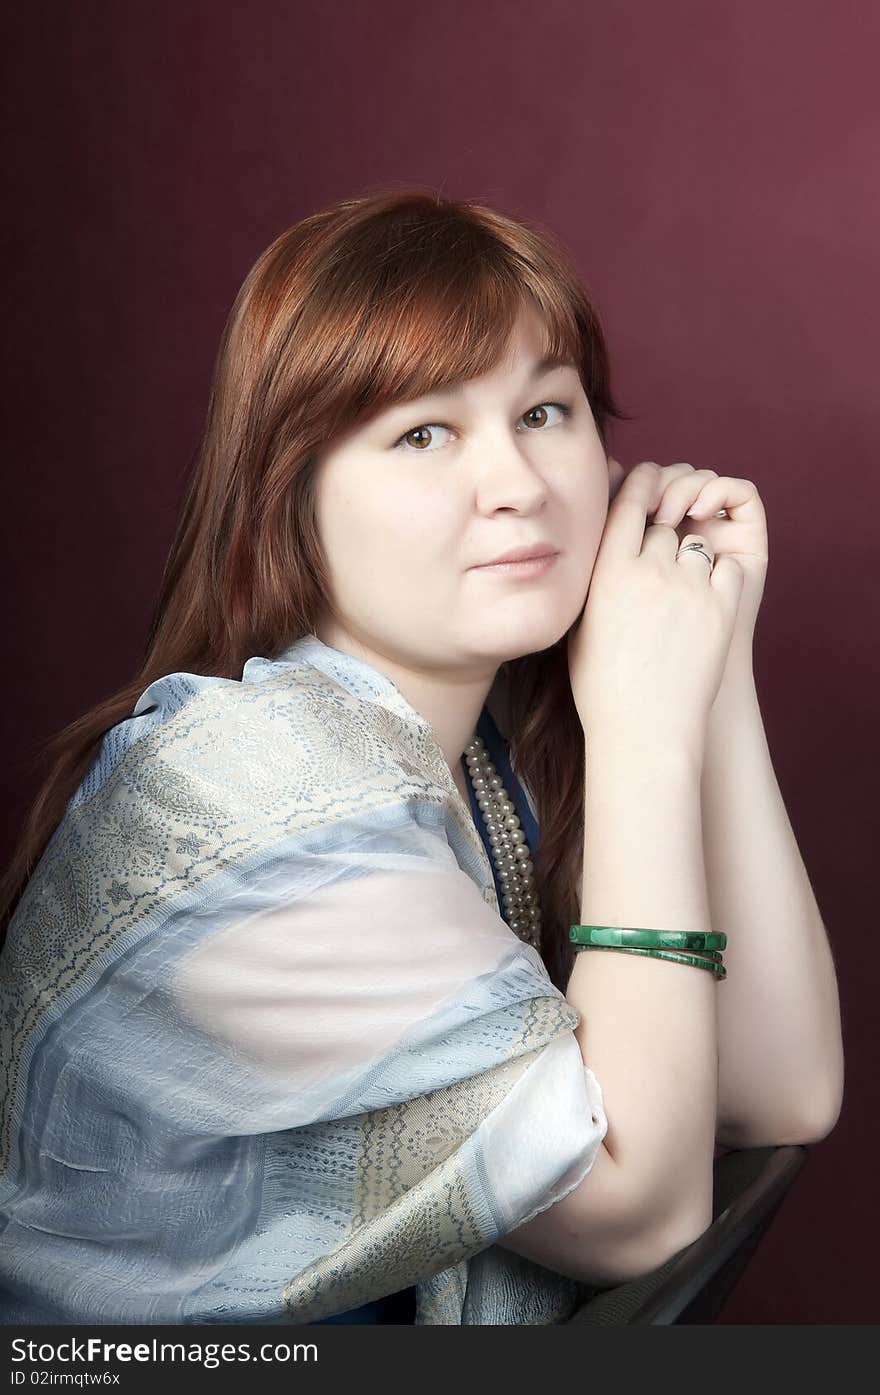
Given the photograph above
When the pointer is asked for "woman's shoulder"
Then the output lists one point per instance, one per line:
(285, 732)
(211, 778)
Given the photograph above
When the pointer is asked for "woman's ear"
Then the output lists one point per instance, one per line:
(616, 476)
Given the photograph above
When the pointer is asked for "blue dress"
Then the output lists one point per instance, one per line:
(400, 1307)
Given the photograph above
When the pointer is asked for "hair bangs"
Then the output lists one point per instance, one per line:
(441, 309)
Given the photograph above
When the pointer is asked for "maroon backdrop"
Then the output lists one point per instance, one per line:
(714, 170)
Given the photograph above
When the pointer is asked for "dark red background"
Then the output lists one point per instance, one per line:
(713, 169)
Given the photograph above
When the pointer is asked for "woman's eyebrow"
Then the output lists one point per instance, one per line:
(550, 361)
(541, 367)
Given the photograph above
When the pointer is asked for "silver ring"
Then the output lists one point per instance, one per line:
(696, 547)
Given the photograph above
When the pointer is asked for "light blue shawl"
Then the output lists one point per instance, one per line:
(269, 1050)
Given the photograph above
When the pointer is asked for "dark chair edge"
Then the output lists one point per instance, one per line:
(735, 1230)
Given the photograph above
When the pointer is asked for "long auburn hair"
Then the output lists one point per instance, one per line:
(372, 301)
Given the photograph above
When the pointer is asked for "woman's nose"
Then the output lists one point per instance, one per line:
(511, 468)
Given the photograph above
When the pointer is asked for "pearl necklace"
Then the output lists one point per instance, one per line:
(510, 851)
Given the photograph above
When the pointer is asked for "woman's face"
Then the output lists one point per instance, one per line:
(409, 504)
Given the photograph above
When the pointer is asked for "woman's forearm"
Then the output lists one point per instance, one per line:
(779, 1029)
(648, 1027)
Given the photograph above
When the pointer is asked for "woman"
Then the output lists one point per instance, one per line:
(294, 1030)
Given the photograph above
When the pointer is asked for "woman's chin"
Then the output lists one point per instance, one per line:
(532, 639)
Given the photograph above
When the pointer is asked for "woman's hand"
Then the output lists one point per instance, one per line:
(647, 656)
(730, 516)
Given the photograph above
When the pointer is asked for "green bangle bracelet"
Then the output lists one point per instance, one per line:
(648, 939)
(717, 969)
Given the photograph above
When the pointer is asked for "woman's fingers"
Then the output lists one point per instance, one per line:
(727, 508)
(681, 486)
(703, 494)
(625, 524)
(679, 493)
(696, 564)
(732, 494)
(664, 474)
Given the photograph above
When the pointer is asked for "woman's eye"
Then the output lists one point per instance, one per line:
(560, 407)
(427, 429)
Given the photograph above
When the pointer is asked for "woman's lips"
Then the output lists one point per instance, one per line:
(535, 566)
